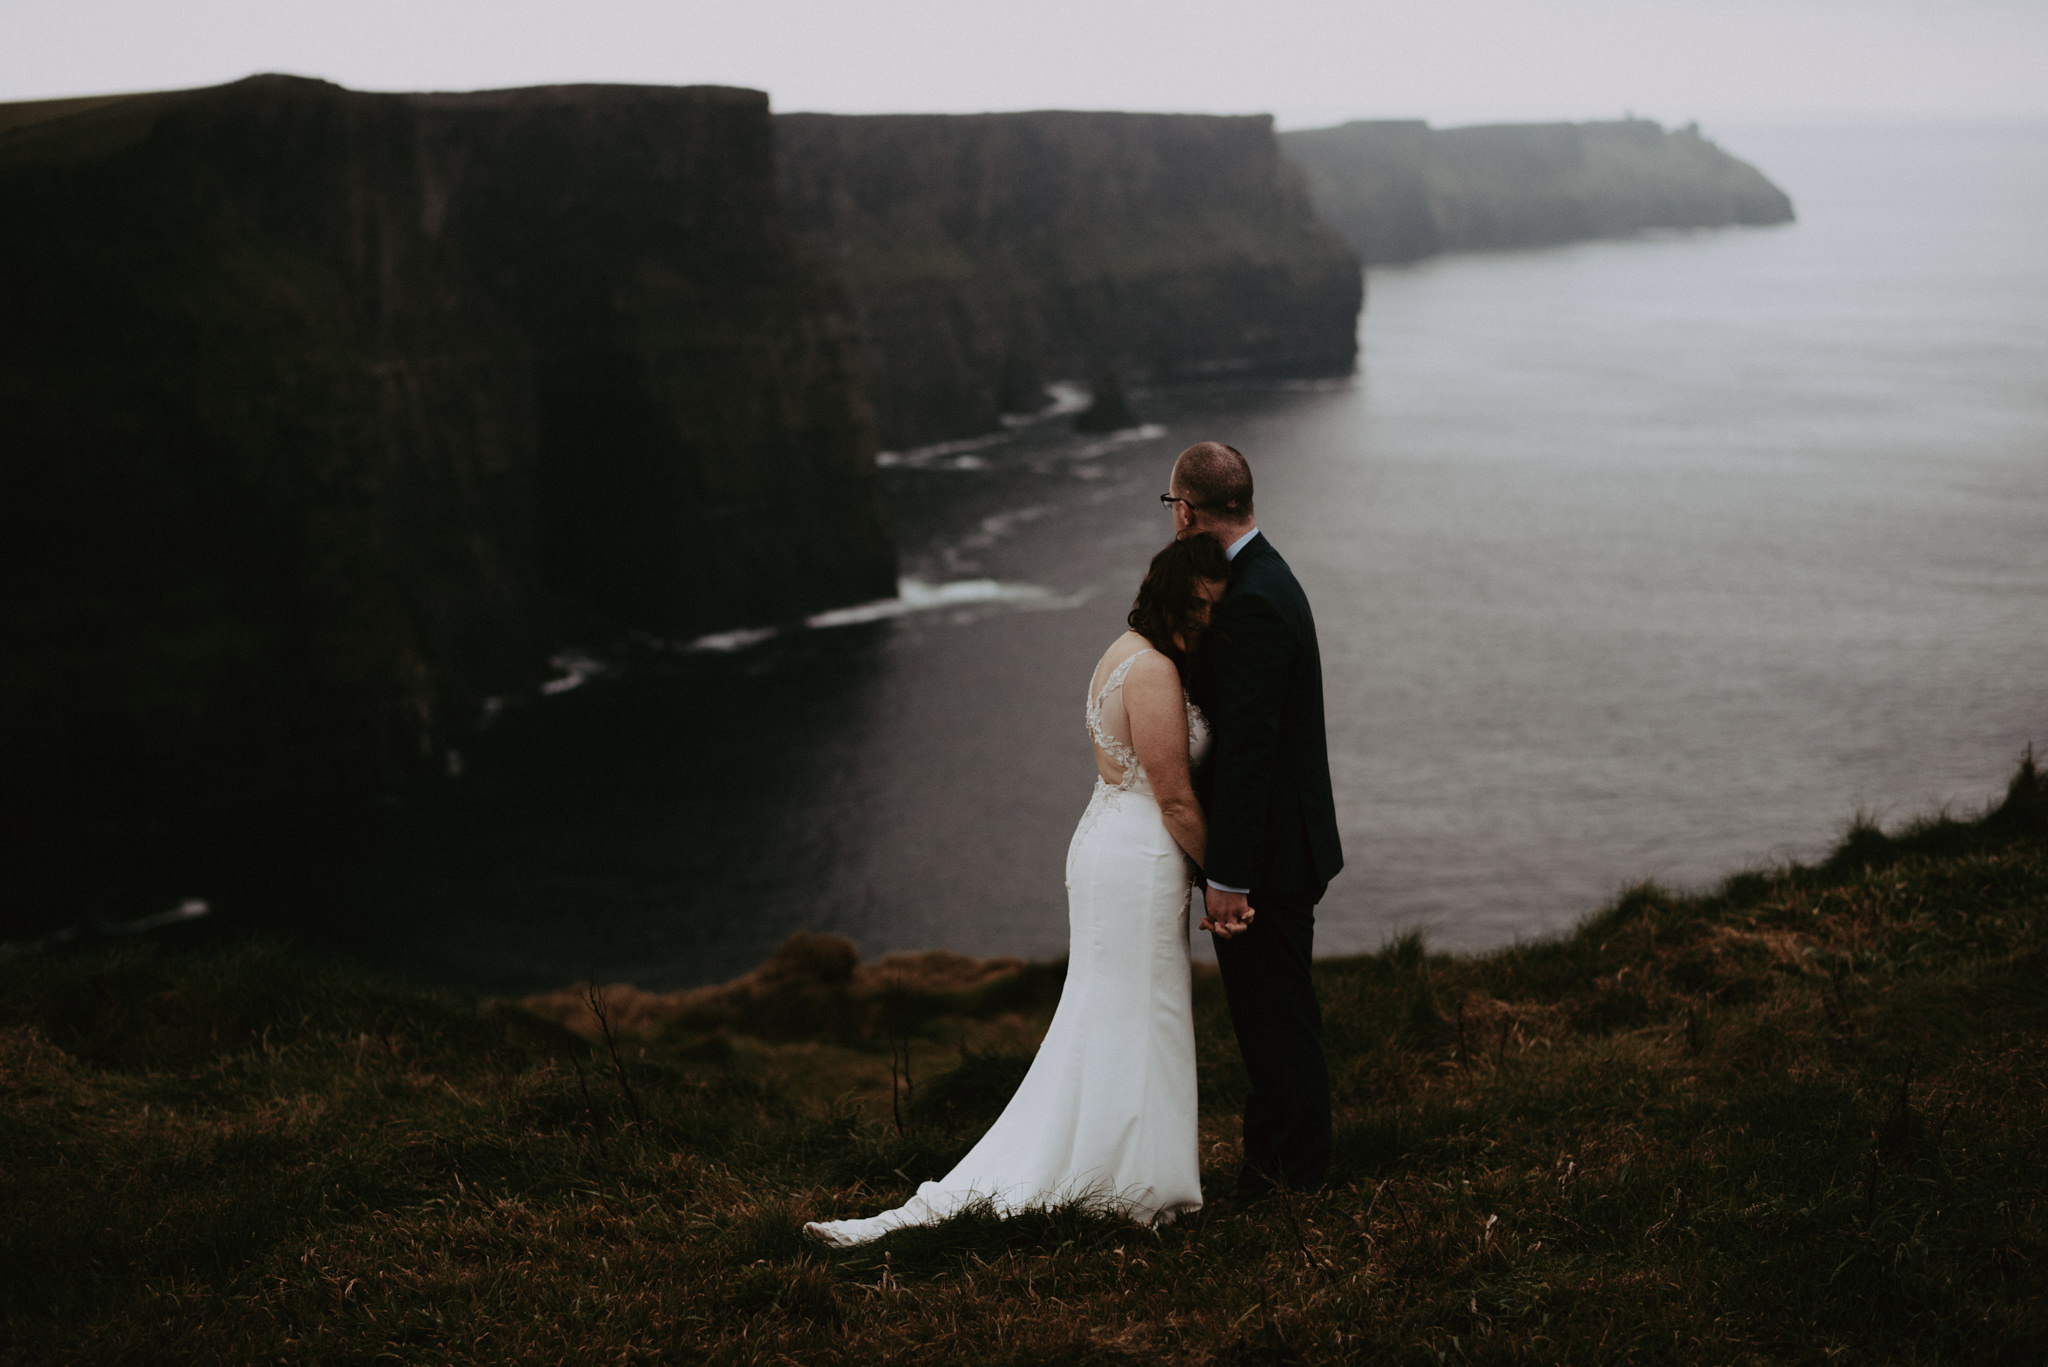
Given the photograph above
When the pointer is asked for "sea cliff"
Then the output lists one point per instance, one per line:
(1401, 190)
(989, 254)
(329, 415)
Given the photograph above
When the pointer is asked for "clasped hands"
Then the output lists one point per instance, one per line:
(1226, 913)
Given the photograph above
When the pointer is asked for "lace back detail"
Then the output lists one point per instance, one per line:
(1118, 748)
(1109, 727)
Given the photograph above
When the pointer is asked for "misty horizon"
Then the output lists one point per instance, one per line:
(1819, 122)
(1461, 63)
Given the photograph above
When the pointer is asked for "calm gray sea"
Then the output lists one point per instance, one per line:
(1654, 558)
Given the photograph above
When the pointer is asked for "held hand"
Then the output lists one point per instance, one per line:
(1227, 913)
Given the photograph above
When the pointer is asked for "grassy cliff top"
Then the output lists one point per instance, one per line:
(1801, 1117)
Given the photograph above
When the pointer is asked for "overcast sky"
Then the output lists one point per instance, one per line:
(1310, 62)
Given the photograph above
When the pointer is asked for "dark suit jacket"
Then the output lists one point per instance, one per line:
(1258, 676)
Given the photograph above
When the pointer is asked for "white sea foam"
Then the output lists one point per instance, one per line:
(1067, 397)
(1063, 399)
(577, 669)
(191, 909)
(914, 595)
(726, 642)
(999, 525)
(944, 455)
(959, 557)
(1123, 436)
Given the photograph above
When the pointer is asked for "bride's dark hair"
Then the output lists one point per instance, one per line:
(1166, 599)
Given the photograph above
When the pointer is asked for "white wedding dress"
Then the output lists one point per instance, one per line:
(1106, 1113)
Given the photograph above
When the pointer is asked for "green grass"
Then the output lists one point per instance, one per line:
(1801, 1118)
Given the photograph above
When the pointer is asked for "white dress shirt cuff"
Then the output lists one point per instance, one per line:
(1243, 892)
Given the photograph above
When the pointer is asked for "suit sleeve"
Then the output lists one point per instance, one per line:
(1253, 658)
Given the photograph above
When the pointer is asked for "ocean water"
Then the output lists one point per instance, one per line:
(1646, 558)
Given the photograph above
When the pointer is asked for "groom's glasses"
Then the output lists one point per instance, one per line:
(1169, 500)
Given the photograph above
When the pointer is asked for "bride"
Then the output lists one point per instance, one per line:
(1106, 1114)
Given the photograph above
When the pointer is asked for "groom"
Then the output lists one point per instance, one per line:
(1272, 822)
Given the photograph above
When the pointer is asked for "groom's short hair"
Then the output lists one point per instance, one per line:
(1217, 478)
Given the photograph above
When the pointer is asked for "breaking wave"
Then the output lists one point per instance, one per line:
(912, 596)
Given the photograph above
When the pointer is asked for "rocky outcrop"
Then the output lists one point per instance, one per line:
(812, 984)
(327, 414)
(1401, 190)
(988, 254)
(1108, 409)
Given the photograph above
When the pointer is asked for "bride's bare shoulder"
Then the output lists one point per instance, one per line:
(1121, 649)
(1152, 669)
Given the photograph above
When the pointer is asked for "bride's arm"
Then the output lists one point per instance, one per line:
(1159, 733)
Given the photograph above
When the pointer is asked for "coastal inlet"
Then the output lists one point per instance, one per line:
(1621, 568)
(347, 597)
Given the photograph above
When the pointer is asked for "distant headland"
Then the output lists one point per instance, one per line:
(1400, 190)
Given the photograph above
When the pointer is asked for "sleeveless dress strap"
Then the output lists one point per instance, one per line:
(1116, 676)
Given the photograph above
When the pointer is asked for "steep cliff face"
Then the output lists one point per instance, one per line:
(1401, 190)
(988, 254)
(326, 414)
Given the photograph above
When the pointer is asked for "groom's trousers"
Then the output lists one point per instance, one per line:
(1280, 1033)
